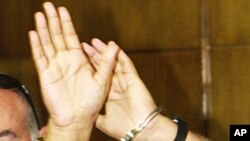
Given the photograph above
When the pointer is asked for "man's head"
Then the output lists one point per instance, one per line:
(18, 119)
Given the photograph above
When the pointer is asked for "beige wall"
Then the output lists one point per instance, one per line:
(163, 38)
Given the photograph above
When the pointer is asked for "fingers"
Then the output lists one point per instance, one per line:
(99, 45)
(56, 31)
(61, 28)
(93, 55)
(54, 26)
(90, 51)
(107, 64)
(41, 61)
(69, 32)
(43, 32)
(126, 64)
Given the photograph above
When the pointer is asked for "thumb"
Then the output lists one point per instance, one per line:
(100, 123)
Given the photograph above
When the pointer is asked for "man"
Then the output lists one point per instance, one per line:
(18, 117)
(75, 86)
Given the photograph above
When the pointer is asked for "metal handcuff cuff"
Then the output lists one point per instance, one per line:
(182, 130)
(141, 125)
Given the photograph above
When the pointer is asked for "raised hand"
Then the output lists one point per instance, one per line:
(129, 101)
(73, 91)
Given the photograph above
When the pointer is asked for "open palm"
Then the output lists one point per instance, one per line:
(129, 100)
(72, 89)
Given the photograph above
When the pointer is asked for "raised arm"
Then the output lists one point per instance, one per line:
(73, 91)
(129, 102)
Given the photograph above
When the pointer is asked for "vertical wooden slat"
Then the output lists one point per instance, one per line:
(205, 61)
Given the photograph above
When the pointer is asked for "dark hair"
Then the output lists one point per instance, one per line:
(9, 82)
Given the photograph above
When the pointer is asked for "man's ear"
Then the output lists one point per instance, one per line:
(43, 131)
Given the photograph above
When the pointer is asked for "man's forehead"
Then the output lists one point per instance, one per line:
(13, 110)
(9, 100)
(8, 95)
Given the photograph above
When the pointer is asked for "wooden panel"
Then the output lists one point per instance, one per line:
(174, 79)
(230, 90)
(16, 19)
(155, 24)
(229, 22)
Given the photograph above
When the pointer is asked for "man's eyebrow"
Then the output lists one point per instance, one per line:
(7, 133)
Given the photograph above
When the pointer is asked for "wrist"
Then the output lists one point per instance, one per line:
(164, 129)
(161, 128)
(76, 131)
